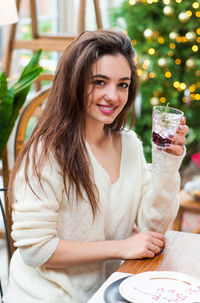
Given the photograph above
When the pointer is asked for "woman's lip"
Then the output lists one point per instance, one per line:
(106, 109)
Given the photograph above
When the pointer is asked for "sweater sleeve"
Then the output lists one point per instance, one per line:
(159, 201)
(35, 213)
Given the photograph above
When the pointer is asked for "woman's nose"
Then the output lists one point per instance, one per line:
(111, 94)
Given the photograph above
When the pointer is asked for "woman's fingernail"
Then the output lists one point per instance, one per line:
(171, 136)
(167, 144)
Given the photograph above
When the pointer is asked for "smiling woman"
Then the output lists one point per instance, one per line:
(81, 183)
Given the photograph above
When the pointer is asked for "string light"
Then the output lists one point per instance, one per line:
(189, 13)
(198, 31)
(178, 1)
(151, 75)
(184, 17)
(190, 36)
(176, 84)
(195, 48)
(183, 86)
(151, 51)
(173, 35)
(170, 53)
(181, 39)
(168, 74)
(172, 45)
(178, 61)
(148, 33)
(162, 99)
(154, 101)
(192, 88)
(156, 93)
(132, 2)
(144, 66)
(168, 11)
(161, 40)
(166, 2)
(197, 97)
(197, 14)
(195, 5)
(147, 62)
(139, 72)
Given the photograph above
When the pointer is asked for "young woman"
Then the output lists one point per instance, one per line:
(81, 184)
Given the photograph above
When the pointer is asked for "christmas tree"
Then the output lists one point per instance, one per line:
(166, 37)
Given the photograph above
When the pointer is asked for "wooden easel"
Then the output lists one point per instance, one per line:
(47, 43)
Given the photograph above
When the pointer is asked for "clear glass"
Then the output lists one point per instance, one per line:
(165, 123)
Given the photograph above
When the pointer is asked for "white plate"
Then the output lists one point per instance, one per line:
(161, 287)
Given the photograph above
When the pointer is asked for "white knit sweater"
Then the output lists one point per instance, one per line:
(149, 200)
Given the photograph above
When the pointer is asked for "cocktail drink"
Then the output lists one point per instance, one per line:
(165, 123)
(164, 126)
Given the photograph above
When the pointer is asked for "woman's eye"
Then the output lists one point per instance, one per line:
(99, 82)
(123, 85)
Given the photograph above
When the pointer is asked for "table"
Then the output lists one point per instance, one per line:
(180, 254)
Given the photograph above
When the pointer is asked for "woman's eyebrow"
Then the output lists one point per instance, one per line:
(105, 77)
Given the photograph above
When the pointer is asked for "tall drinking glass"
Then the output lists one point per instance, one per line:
(165, 123)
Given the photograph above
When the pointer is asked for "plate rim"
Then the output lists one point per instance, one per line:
(192, 279)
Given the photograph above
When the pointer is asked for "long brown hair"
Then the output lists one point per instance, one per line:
(62, 125)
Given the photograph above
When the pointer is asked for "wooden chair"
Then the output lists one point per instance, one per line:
(32, 110)
(187, 205)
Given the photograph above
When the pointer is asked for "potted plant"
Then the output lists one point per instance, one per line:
(13, 98)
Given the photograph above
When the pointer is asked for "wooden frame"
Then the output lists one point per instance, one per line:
(24, 119)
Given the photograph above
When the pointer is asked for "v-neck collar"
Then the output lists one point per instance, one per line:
(93, 157)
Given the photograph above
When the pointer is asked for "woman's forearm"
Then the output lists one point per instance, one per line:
(142, 245)
(70, 253)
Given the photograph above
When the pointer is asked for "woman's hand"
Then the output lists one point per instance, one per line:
(176, 147)
(144, 244)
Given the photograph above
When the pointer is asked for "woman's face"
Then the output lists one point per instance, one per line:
(108, 89)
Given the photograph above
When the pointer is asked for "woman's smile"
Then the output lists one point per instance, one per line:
(106, 109)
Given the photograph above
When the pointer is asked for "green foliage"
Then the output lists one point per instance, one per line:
(172, 31)
(13, 98)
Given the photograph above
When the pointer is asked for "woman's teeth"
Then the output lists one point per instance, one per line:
(106, 108)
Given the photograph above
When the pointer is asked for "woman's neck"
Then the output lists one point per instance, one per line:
(96, 135)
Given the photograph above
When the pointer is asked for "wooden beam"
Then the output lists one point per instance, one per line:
(81, 17)
(9, 46)
(98, 14)
(47, 44)
(43, 77)
(33, 11)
